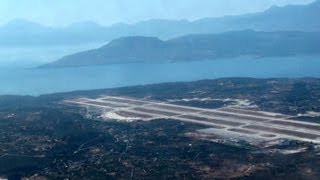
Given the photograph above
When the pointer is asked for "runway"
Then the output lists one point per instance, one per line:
(227, 122)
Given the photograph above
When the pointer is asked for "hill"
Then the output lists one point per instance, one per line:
(196, 47)
(287, 18)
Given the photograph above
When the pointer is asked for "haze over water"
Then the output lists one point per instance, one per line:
(17, 79)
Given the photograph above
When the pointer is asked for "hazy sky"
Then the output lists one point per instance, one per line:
(63, 12)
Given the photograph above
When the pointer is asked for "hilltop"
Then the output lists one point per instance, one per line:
(196, 47)
(287, 18)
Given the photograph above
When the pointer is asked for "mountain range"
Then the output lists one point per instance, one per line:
(287, 18)
(197, 47)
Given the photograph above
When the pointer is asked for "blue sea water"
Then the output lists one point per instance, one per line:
(19, 81)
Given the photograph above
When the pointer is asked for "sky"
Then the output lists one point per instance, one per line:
(107, 12)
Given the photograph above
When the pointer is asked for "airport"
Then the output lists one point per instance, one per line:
(226, 122)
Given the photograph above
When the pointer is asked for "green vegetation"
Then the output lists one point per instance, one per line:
(45, 138)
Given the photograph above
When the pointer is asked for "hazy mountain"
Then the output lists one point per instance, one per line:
(25, 33)
(197, 47)
(288, 18)
(21, 31)
(20, 25)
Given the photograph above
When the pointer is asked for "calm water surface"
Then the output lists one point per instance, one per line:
(44, 81)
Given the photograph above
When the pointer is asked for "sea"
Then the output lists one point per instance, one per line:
(35, 81)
